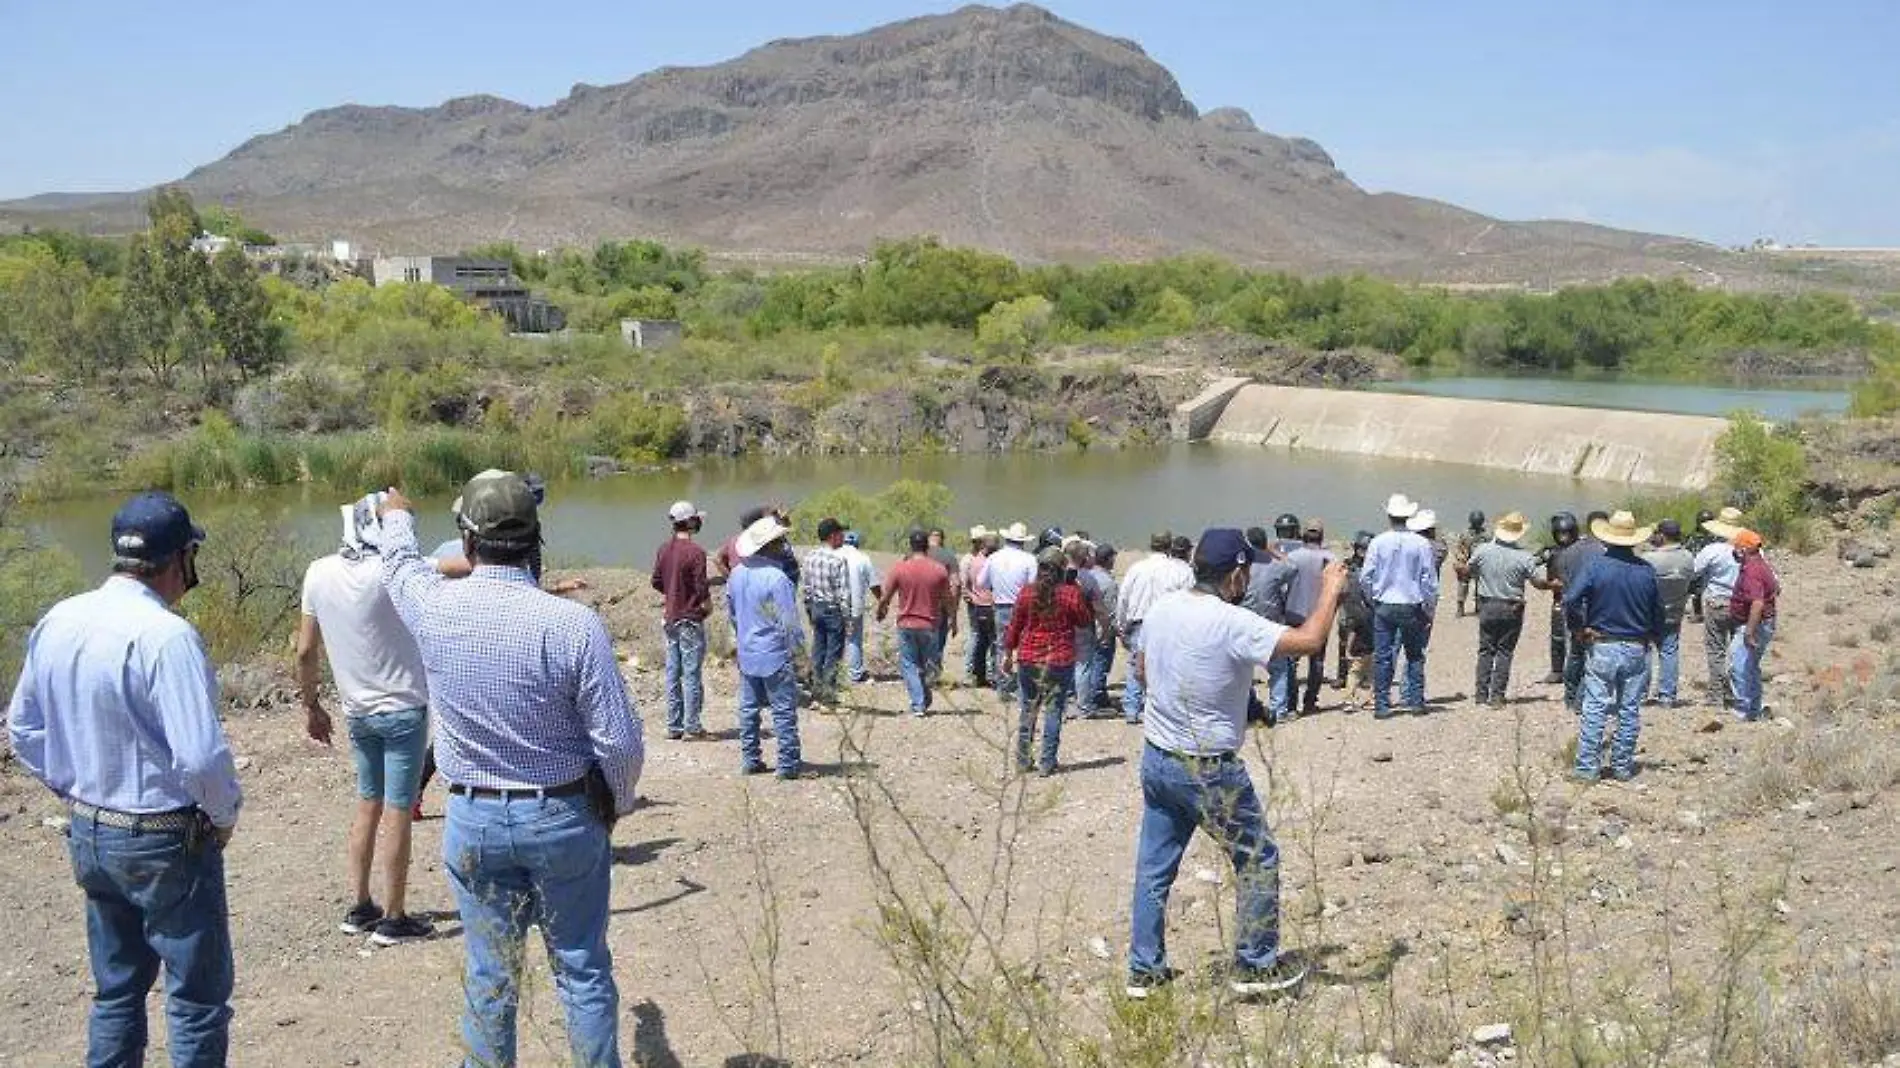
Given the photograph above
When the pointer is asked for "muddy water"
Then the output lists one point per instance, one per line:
(1117, 495)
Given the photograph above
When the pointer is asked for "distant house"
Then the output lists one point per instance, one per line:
(488, 284)
(652, 333)
(210, 244)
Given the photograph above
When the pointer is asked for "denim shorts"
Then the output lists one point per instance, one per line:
(389, 748)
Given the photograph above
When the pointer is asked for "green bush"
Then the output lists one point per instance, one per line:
(884, 519)
(1764, 470)
(636, 429)
(251, 574)
(32, 577)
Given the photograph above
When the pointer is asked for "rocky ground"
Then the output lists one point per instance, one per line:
(1462, 903)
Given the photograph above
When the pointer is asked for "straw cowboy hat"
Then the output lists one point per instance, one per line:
(760, 534)
(1726, 524)
(1511, 529)
(1620, 529)
(1423, 520)
(1015, 533)
(980, 532)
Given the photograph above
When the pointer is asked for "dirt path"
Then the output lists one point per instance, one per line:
(1403, 866)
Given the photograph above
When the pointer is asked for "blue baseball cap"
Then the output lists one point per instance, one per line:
(1223, 549)
(152, 528)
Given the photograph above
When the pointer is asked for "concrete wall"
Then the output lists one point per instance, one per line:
(1645, 448)
(1192, 420)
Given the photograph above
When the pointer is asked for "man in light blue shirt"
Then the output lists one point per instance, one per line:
(1010, 569)
(764, 607)
(1716, 569)
(1400, 578)
(542, 750)
(116, 711)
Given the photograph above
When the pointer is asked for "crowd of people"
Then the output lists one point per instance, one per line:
(462, 662)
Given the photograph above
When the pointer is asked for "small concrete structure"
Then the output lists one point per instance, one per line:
(652, 333)
(1192, 420)
(1644, 448)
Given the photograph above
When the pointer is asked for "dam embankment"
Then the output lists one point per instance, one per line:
(1641, 448)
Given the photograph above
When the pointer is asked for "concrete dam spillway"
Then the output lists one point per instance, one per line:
(1640, 448)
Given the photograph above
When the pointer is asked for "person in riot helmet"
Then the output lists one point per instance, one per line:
(1461, 551)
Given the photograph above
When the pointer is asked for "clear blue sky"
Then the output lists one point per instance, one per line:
(1722, 119)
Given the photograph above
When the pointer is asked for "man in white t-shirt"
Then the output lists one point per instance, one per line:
(864, 595)
(1198, 653)
(382, 686)
(1151, 578)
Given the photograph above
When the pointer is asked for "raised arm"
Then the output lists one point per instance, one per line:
(407, 577)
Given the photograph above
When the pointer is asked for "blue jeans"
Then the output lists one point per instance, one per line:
(854, 649)
(1745, 667)
(388, 747)
(1180, 795)
(1043, 692)
(1393, 626)
(1005, 684)
(1104, 666)
(779, 692)
(827, 648)
(152, 900)
(1084, 672)
(1667, 663)
(1576, 661)
(1614, 676)
(1280, 688)
(519, 861)
(1132, 693)
(916, 652)
(685, 683)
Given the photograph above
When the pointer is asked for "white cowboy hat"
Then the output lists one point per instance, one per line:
(1511, 528)
(979, 532)
(1399, 506)
(760, 534)
(1620, 529)
(1423, 520)
(1726, 524)
(1015, 532)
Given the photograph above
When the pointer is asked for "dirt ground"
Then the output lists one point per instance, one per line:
(1409, 875)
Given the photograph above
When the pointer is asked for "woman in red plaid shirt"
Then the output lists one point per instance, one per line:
(1039, 649)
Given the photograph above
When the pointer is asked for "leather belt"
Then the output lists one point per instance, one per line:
(1217, 758)
(176, 821)
(521, 793)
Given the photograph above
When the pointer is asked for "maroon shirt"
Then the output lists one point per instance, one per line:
(679, 572)
(921, 588)
(1757, 583)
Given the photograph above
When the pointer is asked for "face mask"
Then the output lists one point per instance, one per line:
(191, 569)
(1740, 556)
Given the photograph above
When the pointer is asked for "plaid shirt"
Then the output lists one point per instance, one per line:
(1048, 638)
(523, 686)
(827, 577)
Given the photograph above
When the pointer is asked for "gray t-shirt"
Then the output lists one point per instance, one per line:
(1309, 564)
(1501, 570)
(1267, 588)
(1675, 569)
(1199, 654)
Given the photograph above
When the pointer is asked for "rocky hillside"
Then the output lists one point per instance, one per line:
(1004, 128)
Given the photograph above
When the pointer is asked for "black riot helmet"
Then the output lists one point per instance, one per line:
(1362, 541)
(1563, 527)
(1287, 526)
(1476, 519)
(1051, 538)
(1703, 517)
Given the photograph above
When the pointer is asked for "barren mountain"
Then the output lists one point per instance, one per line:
(1009, 129)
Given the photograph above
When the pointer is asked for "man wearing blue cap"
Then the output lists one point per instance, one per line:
(116, 712)
(1198, 653)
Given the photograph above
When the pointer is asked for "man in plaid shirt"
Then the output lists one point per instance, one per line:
(827, 577)
(540, 744)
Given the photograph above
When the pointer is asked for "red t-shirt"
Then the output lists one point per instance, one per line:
(920, 586)
(1757, 583)
(1048, 637)
(679, 572)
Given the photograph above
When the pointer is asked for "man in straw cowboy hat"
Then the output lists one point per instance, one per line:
(1401, 580)
(764, 609)
(1616, 606)
(1499, 570)
(1010, 569)
(1716, 570)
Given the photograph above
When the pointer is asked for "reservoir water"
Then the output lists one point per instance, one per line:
(1118, 495)
(1777, 401)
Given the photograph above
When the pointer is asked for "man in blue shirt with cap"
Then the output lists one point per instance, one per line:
(116, 711)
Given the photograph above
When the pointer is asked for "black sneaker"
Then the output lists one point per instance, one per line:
(1286, 973)
(395, 932)
(1143, 984)
(361, 919)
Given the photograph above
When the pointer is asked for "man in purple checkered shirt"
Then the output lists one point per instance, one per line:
(531, 715)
